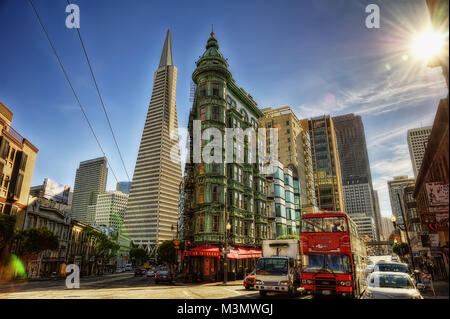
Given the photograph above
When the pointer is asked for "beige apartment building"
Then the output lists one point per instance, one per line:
(17, 158)
(294, 149)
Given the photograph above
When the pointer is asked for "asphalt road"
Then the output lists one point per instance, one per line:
(126, 286)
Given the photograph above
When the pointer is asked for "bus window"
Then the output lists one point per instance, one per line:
(312, 225)
(334, 224)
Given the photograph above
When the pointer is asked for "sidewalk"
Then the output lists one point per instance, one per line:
(440, 288)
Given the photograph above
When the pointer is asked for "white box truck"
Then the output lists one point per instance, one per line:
(278, 270)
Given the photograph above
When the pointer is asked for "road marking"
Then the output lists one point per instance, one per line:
(238, 293)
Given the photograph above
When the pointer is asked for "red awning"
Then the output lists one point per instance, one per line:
(207, 251)
(214, 251)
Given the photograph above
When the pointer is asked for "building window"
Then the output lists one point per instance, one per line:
(201, 194)
(215, 113)
(215, 168)
(203, 114)
(203, 90)
(215, 89)
(215, 193)
(215, 223)
(287, 122)
(200, 223)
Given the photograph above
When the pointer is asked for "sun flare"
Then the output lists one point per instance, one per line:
(427, 45)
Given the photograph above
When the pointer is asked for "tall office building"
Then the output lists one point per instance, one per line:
(396, 192)
(90, 180)
(377, 214)
(294, 148)
(110, 209)
(417, 143)
(386, 228)
(365, 224)
(325, 158)
(153, 202)
(355, 169)
(123, 187)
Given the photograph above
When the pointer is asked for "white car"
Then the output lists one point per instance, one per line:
(128, 267)
(391, 285)
(119, 270)
(150, 273)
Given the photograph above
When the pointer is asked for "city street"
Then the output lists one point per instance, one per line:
(127, 286)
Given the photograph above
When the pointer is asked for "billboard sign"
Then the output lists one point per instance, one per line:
(56, 192)
(437, 194)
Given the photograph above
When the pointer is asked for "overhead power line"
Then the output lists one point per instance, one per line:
(101, 99)
(70, 84)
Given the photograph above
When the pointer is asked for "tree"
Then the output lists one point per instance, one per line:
(290, 236)
(400, 249)
(138, 254)
(35, 240)
(7, 230)
(102, 248)
(167, 253)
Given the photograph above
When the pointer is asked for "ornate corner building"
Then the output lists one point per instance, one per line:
(224, 202)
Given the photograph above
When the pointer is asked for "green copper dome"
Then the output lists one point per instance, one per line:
(212, 52)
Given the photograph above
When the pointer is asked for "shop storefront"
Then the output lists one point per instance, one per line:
(205, 263)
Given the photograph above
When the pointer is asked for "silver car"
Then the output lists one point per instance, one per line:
(391, 285)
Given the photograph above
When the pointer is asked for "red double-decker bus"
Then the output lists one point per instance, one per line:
(333, 255)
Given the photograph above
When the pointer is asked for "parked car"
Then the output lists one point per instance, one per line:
(119, 270)
(163, 275)
(140, 272)
(391, 285)
(150, 273)
(128, 267)
(249, 281)
(394, 258)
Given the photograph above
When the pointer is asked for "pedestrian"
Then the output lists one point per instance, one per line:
(430, 269)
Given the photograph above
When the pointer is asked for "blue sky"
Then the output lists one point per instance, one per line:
(315, 56)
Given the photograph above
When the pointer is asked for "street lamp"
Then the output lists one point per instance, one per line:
(225, 265)
(393, 220)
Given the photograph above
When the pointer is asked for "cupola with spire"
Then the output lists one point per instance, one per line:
(212, 59)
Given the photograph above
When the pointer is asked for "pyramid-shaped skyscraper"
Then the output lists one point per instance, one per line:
(152, 210)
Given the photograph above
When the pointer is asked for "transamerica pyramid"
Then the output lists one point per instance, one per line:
(152, 210)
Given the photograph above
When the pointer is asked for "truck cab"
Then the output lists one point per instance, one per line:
(278, 269)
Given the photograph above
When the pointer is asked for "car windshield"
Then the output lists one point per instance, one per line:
(272, 266)
(162, 272)
(391, 281)
(324, 225)
(327, 263)
(392, 267)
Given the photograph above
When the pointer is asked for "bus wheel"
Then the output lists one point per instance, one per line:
(263, 293)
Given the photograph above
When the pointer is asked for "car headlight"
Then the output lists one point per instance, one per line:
(345, 283)
(285, 283)
(258, 282)
(307, 282)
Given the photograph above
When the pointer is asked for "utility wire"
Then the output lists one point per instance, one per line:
(70, 84)
(101, 100)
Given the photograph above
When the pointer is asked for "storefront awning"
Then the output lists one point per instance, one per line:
(214, 251)
(207, 251)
